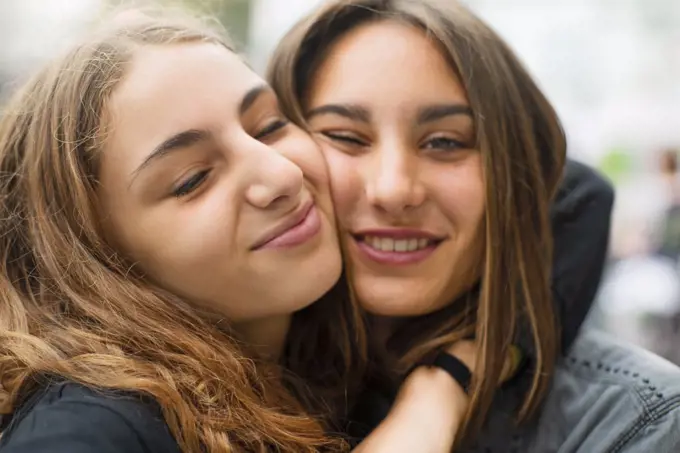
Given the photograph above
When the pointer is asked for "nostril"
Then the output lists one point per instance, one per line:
(281, 199)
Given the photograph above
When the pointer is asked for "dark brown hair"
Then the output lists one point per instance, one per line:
(72, 308)
(523, 149)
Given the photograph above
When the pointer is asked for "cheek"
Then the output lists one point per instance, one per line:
(462, 195)
(304, 152)
(180, 238)
(346, 183)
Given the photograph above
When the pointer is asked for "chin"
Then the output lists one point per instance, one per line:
(405, 309)
(296, 290)
(315, 277)
(394, 301)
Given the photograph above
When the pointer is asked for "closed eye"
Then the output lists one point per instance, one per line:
(270, 129)
(347, 139)
(190, 184)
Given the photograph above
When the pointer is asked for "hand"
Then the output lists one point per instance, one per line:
(432, 385)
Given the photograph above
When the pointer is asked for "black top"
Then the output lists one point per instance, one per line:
(581, 216)
(70, 418)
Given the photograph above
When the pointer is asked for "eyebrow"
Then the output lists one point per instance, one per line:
(438, 112)
(178, 141)
(349, 111)
(358, 113)
(192, 137)
(251, 96)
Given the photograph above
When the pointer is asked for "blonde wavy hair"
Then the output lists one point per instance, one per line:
(523, 149)
(72, 308)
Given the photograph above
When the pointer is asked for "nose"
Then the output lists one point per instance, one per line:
(394, 186)
(275, 181)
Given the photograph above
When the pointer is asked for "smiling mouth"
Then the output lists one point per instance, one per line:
(396, 249)
(296, 230)
(393, 245)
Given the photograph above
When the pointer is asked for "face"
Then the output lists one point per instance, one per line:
(397, 132)
(210, 191)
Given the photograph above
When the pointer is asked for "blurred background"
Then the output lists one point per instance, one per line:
(611, 67)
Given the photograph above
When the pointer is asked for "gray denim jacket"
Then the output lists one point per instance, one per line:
(606, 397)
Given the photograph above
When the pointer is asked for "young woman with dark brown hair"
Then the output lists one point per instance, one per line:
(444, 157)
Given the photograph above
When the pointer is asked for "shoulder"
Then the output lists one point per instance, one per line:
(71, 417)
(582, 187)
(598, 358)
(614, 397)
(581, 217)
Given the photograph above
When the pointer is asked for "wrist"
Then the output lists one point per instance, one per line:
(436, 392)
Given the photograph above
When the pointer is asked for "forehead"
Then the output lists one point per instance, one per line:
(387, 59)
(171, 89)
(185, 80)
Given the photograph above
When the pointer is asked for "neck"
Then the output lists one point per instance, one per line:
(266, 336)
(382, 327)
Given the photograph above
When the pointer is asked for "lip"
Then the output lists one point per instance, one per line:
(371, 254)
(296, 229)
(399, 233)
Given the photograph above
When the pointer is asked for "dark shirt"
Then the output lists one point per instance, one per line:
(70, 418)
(581, 216)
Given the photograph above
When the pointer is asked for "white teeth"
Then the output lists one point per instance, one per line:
(413, 244)
(401, 245)
(398, 245)
(387, 244)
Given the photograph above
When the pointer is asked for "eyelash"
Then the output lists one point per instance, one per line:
(190, 184)
(451, 144)
(271, 128)
(347, 139)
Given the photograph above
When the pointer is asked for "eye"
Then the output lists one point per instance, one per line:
(444, 144)
(190, 184)
(271, 128)
(345, 138)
